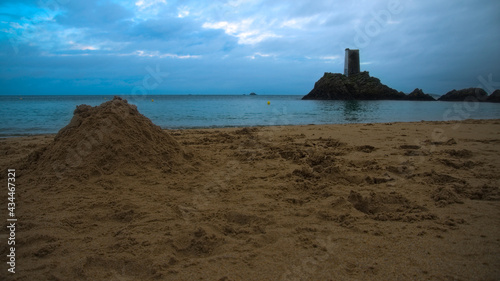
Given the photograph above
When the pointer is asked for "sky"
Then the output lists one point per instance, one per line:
(107, 47)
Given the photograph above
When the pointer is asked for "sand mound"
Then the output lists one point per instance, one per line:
(110, 138)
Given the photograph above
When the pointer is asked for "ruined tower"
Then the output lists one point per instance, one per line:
(351, 65)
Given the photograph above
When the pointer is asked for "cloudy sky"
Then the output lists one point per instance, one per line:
(243, 46)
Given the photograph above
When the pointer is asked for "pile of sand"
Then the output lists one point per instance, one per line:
(110, 138)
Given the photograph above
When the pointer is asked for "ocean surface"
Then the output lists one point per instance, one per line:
(31, 115)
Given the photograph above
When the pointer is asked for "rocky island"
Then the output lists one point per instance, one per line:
(418, 94)
(494, 97)
(358, 86)
(470, 94)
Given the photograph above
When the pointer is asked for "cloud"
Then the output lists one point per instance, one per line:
(244, 30)
(146, 9)
(76, 46)
(145, 4)
(92, 14)
(255, 55)
(299, 22)
(157, 54)
(330, 58)
(432, 45)
(183, 12)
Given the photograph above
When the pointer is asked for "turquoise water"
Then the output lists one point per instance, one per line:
(27, 115)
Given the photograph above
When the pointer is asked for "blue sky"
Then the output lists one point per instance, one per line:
(242, 46)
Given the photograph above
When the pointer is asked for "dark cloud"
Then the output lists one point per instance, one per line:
(230, 46)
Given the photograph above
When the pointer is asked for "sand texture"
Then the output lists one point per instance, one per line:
(113, 197)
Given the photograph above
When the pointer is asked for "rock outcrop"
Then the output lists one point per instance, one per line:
(494, 97)
(419, 95)
(470, 94)
(360, 86)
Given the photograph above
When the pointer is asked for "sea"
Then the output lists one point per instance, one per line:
(33, 115)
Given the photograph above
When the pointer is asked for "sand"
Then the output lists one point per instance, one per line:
(393, 201)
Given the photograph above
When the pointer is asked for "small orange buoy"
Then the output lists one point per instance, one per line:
(268, 102)
(152, 100)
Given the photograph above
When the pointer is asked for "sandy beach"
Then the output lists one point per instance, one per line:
(391, 201)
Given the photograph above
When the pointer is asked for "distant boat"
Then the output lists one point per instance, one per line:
(253, 94)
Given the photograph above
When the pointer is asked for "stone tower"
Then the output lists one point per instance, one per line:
(351, 65)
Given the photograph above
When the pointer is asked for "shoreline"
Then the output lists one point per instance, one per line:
(266, 126)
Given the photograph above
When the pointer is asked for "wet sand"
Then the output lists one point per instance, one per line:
(392, 201)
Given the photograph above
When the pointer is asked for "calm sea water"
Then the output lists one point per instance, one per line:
(28, 115)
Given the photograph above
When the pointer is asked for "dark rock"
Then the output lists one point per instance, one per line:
(253, 94)
(470, 94)
(418, 95)
(494, 97)
(360, 86)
